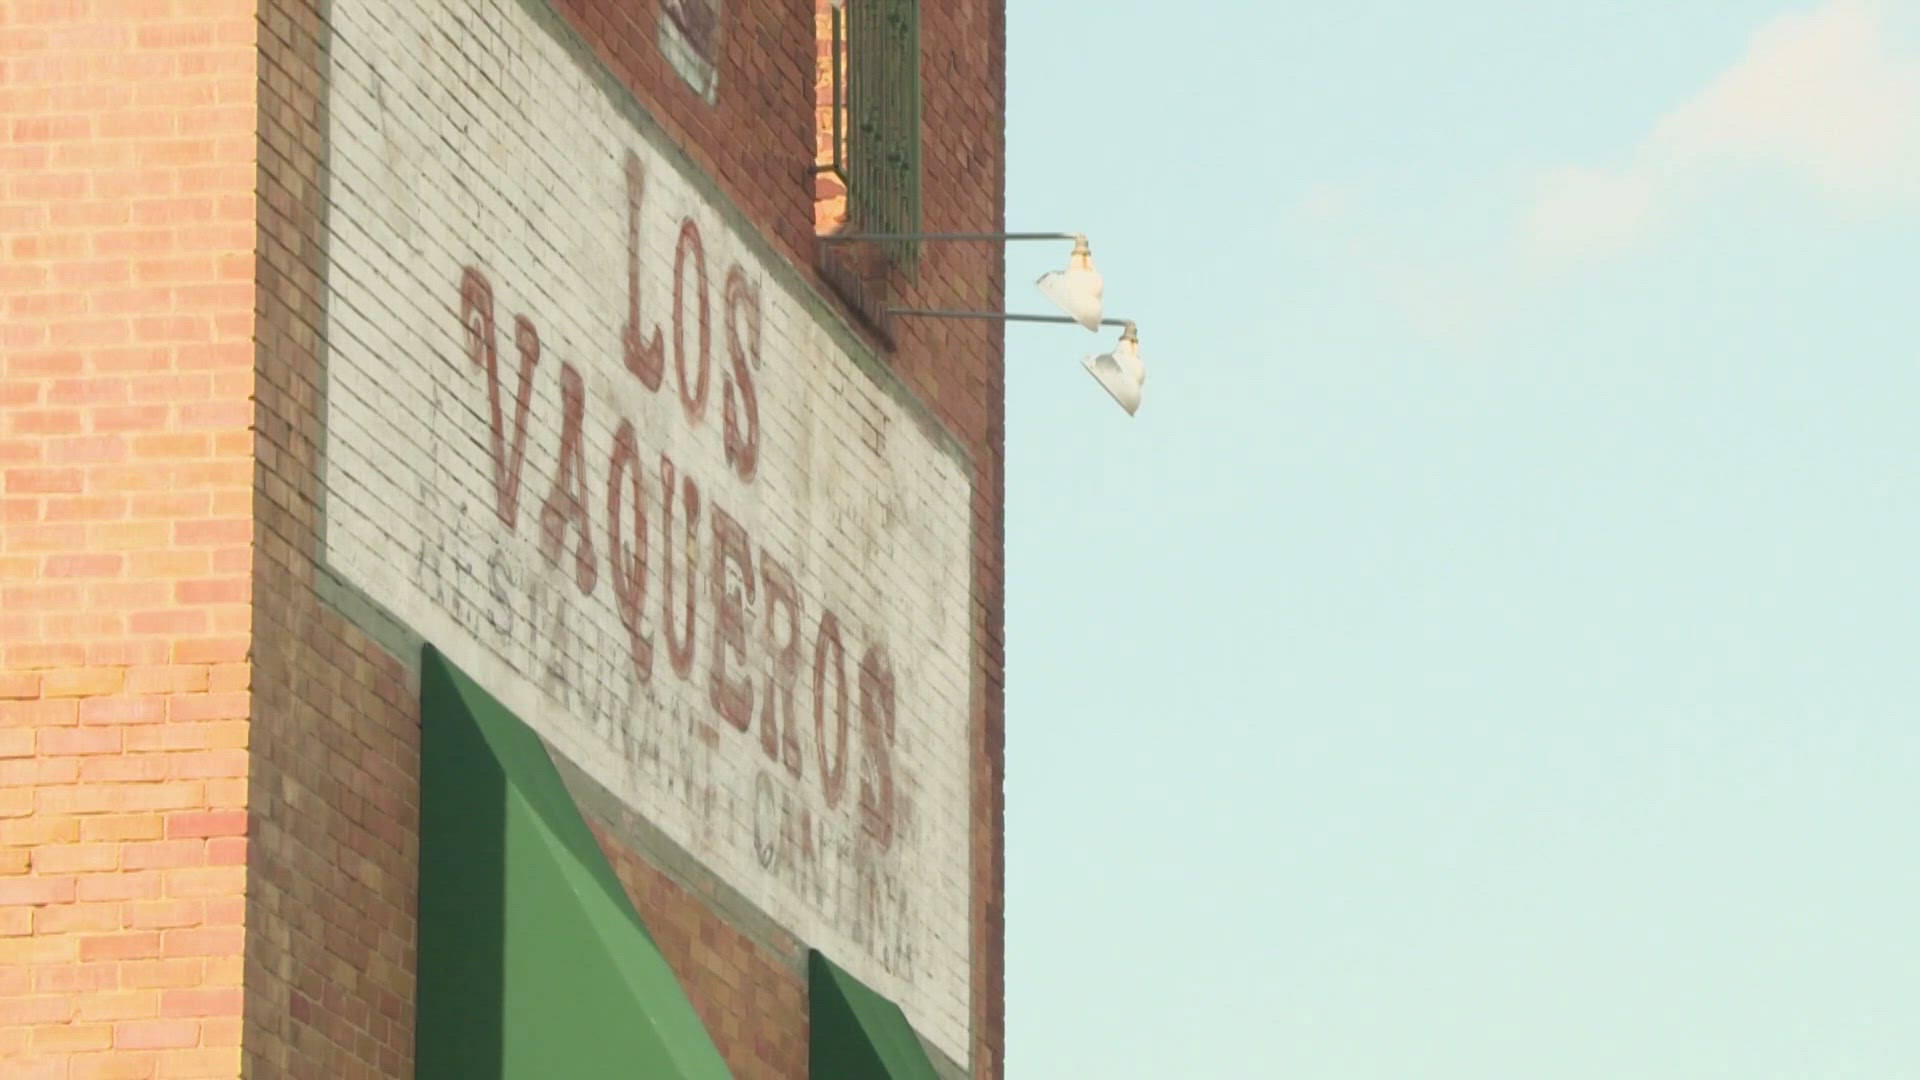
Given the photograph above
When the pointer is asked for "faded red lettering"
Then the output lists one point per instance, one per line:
(693, 393)
(679, 644)
(779, 735)
(833, 767)
(646, 359)
(567, 499)
(731, 698)
(741, 423)
(476, 315)
(876, 745)
(629, 571)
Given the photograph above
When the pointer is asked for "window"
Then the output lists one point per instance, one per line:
(690, 37)
(868, 108)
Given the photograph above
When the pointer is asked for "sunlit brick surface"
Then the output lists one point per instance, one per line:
(126, 369)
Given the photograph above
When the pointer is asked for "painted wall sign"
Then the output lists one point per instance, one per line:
(585, 439)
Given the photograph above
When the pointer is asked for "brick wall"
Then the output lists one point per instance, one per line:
(162, 205)
(753, 1004)
(331, 877)
(126, 215)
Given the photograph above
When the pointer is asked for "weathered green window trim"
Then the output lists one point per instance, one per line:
(881, 45)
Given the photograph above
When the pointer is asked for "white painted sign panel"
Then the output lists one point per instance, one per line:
(586, 439)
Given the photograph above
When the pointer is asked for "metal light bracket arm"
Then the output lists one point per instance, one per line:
(1001, 316)
(841, 238)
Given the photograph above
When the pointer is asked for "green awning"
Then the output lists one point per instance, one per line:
(857, 1034)
(532, 962)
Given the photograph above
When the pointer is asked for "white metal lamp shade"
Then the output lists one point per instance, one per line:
(1121, 371)
(1076, 290)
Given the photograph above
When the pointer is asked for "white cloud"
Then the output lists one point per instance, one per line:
(1825, 94)
(1581, 211)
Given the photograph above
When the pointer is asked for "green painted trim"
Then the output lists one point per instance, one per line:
(857, 1034)
(353, 604)
(596, 802)
(532, 962)
(641, 837)
(460, 970)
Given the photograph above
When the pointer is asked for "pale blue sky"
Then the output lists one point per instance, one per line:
(1494, 649)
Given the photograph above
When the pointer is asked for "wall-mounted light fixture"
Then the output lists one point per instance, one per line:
(1120, 371)
(1076, 290)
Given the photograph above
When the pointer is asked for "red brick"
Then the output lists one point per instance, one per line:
(16, 921)
(163, 854)
(164, 914)
(46, 1009)
(188, 735)
(128, 594)
(35, 831)
(213, 650)
(131, 885)
(19, 684)
(95, 391)
(75, 858)
(45, 424)
(215, 591)
(163, 974)
(43, 481)
(79, 740)
(169, 621)
(223, 1001)
(169, 505)
(37, 890)
(33, 771)
(75, 918)
(212, 532)
(96, 798)
(197, 707)
(44, 951)
(204, 941)
(122, 710)
(136, 945)
(80, 682)
(123, 768)
(206, 1061)
(148, 826)
(166, 678)
(121, 1005)
(156, 1034)
(127, 652)
(197, 823)
(78, 978)
(61, 537)
(16, 742)
(224, 678)
(85, 450)
(89, 508)
(39, 713)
